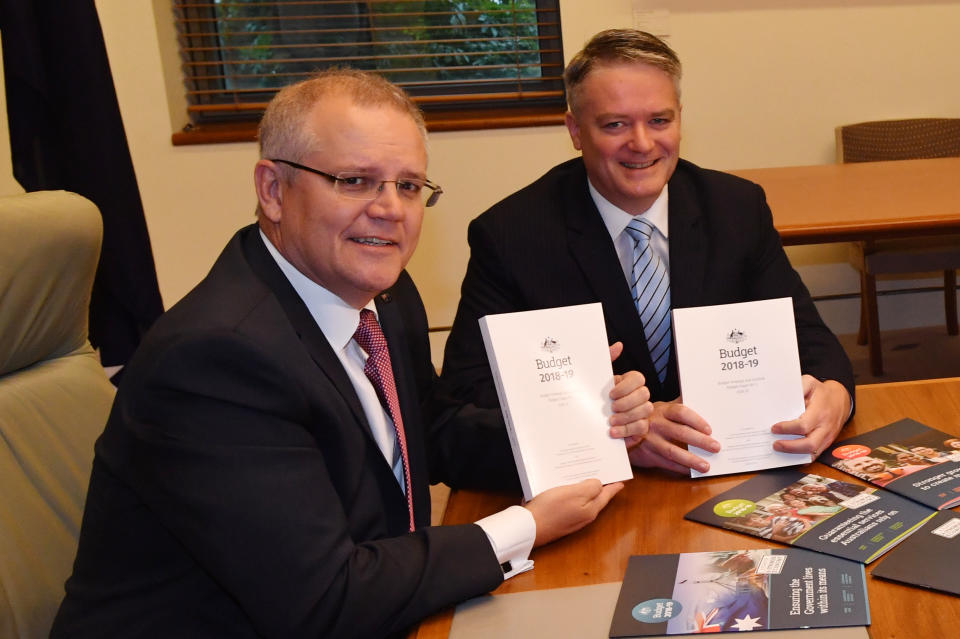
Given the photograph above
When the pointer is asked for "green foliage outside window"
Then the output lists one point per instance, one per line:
(270, 44)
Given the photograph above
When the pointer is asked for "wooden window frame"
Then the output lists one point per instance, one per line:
(474, 111)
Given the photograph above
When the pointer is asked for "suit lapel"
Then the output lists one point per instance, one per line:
(688, 255)
(593, 251)
(313, 339)
(265, 267)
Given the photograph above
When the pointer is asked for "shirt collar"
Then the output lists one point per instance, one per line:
(337, 320)
(616, 219)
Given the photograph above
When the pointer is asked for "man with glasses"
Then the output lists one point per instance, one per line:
(264, 471)
(632, 225)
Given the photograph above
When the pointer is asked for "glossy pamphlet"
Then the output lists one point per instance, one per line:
(905, 457)
(817, 513)
(737, 591)
(930, 558)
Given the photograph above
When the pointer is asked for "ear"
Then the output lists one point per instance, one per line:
(574, 128)
(269, 186)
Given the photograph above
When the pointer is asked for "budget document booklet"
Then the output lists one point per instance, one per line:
(553, 376)
(739, 591)
(930, 558)
(740, 370)
(817, 513)
(905, 457)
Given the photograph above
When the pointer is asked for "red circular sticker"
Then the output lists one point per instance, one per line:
(850, 451)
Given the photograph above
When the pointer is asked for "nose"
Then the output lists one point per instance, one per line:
(640, 139)
(387, 203)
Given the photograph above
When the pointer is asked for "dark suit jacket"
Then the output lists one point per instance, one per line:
(546, 246)
(237, 490)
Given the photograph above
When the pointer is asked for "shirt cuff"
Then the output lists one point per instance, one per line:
(511, 533)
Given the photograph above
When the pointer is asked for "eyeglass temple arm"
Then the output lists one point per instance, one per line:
(437, 192)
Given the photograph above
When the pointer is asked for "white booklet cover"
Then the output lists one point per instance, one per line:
(553, 376)
(740, 370)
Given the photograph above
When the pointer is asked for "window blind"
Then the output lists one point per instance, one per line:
(448, 54)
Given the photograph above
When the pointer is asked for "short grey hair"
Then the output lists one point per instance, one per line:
(619, 45)
(283, 132)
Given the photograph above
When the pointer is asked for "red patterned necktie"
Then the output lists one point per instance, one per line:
(380, 373)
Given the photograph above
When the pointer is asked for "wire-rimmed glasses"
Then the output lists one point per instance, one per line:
(362, 186)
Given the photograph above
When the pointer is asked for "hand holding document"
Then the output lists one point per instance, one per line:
(740, 370)
(553, 376)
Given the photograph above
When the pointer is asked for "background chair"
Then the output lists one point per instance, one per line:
(54, 399)
(900, 140)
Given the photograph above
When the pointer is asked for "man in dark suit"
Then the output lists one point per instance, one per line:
(264, 471)
(567, 239)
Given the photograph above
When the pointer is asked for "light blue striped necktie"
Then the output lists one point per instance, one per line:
(651, 294)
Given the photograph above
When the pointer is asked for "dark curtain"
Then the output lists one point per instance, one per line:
(66, 133)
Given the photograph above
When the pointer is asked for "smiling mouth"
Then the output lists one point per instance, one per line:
(372, 241)
(638, 165)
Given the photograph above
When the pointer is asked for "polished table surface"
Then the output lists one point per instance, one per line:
(647, 518)
(861, 201)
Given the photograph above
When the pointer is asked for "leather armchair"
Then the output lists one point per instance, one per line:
(54, 399)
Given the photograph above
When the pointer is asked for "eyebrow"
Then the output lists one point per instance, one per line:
(656, 114)
(370, 170)
(665, 112)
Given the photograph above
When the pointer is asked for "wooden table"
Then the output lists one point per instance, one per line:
(647, 517)
(862, 201)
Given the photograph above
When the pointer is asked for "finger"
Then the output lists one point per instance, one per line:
(681, 458)
(681, 414)
(800, 445)
(634, 430)
(626, 413)
(644, 456)
(627, 384)
(638, 399)
(588, 488)
(800, 426)
(683, 433)
(615, 350)
(605, 495)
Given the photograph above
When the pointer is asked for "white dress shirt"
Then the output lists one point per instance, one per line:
(512, 531)
(616, 220)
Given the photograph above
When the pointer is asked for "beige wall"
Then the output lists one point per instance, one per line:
(765, 83)
(8, 186)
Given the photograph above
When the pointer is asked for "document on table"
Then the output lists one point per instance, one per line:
(580, 611)
(740, 370)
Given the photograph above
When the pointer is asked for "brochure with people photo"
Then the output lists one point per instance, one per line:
(905, 457)
(817, 513)
(738, 591)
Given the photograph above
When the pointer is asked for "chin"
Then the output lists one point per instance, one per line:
(380, 282)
